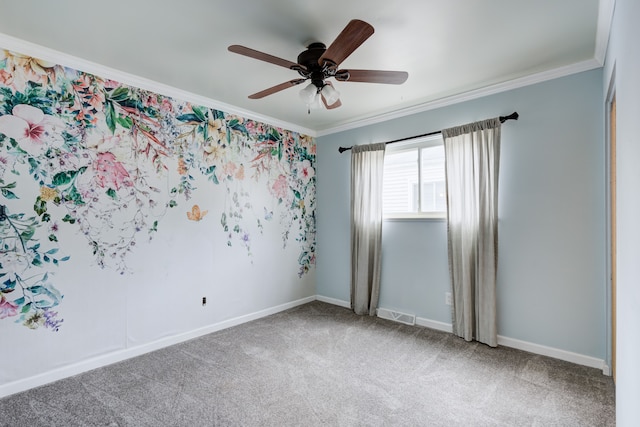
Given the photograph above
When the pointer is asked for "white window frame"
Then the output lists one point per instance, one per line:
(416, 144)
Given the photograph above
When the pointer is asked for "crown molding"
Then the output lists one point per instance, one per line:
(578, 67)
(606, 8)
(27, 48)
(605, 18)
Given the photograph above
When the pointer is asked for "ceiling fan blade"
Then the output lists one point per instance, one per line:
(276, 88)
(372, 76)
(353, 35)
(332, 106)
(252, 53)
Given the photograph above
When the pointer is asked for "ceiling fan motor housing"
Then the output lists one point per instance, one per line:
(309, 60)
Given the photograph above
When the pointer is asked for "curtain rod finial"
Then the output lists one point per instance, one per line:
(512, 116)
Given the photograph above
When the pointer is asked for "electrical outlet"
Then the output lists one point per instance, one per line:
(447, 298)
(204, 301)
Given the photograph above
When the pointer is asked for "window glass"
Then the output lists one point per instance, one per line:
(433, 182)
(400, 182)
(414, 180)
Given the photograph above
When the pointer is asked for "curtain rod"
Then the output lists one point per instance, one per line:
(512, 116)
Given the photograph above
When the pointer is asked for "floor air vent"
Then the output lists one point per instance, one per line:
(407, 319)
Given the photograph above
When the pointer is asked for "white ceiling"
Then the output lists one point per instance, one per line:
(448, 47)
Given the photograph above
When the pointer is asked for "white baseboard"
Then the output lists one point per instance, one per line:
(120, 355)
(334, 301)
(556, 353)
(542, 350)
(434, 324)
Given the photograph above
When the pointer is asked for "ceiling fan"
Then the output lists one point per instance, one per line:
(318, 63)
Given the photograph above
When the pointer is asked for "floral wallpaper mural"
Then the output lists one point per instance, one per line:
(109, 160)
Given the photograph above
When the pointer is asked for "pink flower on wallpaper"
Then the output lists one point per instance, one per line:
(83, 82)
(7, 309)
(6, 78)
(240, 173)
(165, 105)
(305, 171)
(95, 99)
(110, 173)
(229, 169)
(280, 187)
(150, 101)
(34, 130)
(111, 84)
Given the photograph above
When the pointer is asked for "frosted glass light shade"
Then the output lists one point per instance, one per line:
(330, 94)
(316, 103)
(308, 93)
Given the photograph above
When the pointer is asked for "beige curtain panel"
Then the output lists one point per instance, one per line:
(472, 161)
(367, 162)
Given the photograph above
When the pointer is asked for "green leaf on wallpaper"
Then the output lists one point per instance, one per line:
(10, 185)
(112, 193)
(19, 301)
(68, 218)
(125, 122)
(217, 114)
(211, 172)
(274, 135)
(296, 193)
(40, 206)
(233, 123)
(280, 150)
(110, 117)
(9, 194)
(65, 258)
(26, 308)
(52, 251)
(28, 233)
(173, 203)
(197, 111)
(204, 129)
(120, 94)
(33, 165)
(62, 178)
(188, 118)
(36, 261)
(75, 196)
(53, 238)
(35, 290)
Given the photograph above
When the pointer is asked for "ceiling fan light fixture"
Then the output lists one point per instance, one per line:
(308, 93)
(316, 102)
(330, 94)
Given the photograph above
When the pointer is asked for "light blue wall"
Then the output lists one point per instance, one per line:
(624, 56)
(551, 273)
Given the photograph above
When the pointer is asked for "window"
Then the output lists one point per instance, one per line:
(414, 179)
